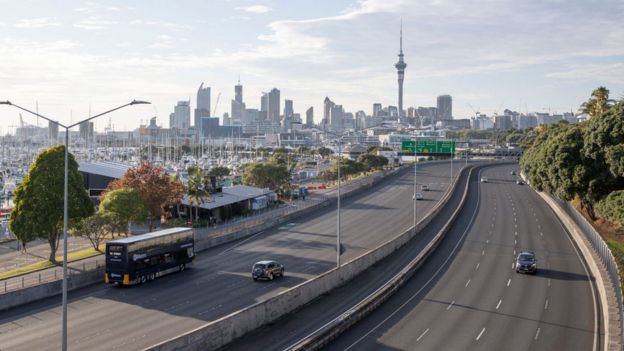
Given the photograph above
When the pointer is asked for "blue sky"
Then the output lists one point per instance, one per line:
(530, 55)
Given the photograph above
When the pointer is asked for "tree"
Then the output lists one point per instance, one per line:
(324, 151)
(196, 191)
(266, 175)
(370, 161)
(125, 206)
(158, 191)
(94, 228)
(598, 103)
(219, 172)
(38, 211)
(612, 207)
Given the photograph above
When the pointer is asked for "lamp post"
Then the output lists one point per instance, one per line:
(338, 201)
(415, 183)
(65, 197)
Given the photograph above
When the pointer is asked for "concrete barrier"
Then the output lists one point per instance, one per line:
(222, 331)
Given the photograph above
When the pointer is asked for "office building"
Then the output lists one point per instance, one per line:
(336, 116)
(238, 106)
(502, 122)
(376, 109)
(181, 116)
(53, 131)
(309, 117)
(273, 106)
(327, 106)
(202, 108)
(445, 107)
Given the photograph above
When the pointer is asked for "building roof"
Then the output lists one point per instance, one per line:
(230, 195)
(107, 169)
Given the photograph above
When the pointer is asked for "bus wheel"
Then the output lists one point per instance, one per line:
(182, 266)
(143, 279)
(152, 276)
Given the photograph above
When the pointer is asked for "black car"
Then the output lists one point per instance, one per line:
(519, 182)
(267, 270)
(513, 172)
(526, 262)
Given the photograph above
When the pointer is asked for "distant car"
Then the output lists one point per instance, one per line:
(267, 270)
(418, 196)
(424, 187)
(513, 172)
(519, 182)
(526, 262)
(484, 180)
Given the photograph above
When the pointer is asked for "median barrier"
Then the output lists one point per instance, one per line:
(224, 330)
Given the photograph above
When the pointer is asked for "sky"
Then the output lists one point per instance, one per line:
(73, 59)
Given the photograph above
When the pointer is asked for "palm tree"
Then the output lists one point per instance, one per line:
(196, 191)
(598, 103)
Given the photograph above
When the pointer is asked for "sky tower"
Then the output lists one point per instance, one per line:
(400, 66)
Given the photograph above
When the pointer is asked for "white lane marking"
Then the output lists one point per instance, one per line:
(482, 252)
(499, 303)
(477, 267)
(487, 241)
(468, 282)
(549, 283)
(423, 334)
(514, 252)
(512, 265)
(433, 276)
(537, 334)
(515, 219)
(515, 242)
(492, 225)
(516, 233)
(541, 234)
(516, 225)
(546, 305)
(509, 282)
(481, 333)
(450, 305)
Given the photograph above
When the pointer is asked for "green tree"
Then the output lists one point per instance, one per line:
(219, 172)
(612, 207)
(38, 210)
(267, 175)
(324, 151)
(95, 228)
(196, 191)
(158, 191)
(125, 205)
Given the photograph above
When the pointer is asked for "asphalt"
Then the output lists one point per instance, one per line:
(467, 296)
(113, 318)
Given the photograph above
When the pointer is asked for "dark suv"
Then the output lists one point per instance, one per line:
(267, 270)
(526, 262)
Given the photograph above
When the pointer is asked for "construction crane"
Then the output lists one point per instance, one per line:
(214, 111)
(476, 112)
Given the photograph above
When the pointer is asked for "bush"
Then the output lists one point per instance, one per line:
(177, 222)
(612, 207)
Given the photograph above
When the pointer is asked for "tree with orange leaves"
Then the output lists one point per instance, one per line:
(159, 191)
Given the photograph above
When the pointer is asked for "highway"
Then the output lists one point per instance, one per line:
(468, 296)
(114, 318)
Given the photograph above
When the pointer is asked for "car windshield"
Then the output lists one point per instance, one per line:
(526, 258)
(259, 265)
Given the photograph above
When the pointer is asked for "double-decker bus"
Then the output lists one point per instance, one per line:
(145, 257)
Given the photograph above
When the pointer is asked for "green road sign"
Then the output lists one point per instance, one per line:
(428, 146)
(408, 145)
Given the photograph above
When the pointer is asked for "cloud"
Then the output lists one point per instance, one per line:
(94, 23)
(163, 24)
(255, 8)
(33, 23)
(609, 73)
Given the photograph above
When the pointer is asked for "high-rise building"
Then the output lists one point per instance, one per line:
(238, 106)
(181, 116)
(273, 106)
(445, 107)
(288, 108)
(86, 131)
(400, 66)
(310, 117)
(376, 109)
(203, 105)
(502, 122)
(336, 118)
(53, 131)
(327, 106)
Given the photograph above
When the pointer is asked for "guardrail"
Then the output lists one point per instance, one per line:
(604, 253)
(218, 333)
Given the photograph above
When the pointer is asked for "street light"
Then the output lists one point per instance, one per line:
(65, 196)
(338, 202)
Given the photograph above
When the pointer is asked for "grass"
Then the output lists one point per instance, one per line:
(44, 264)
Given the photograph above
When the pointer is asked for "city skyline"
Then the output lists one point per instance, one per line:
(81, 56)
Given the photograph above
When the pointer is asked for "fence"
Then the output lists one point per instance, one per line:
(604, 253)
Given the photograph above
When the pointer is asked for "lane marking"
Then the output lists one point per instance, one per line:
(450, 305)
(512, 265)
(477, 267)
(515, 242)
(423, 334)
(509, 282)
(516, 233)
(549, 283)
(546, 305)
(514, 252)
(487, 241)
(537, 334)
(481, 333)
(499, 303)
(482, 252)
(468, 282)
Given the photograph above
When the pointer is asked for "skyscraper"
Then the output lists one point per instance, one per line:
(336, 117)
(238, 106)
(376, 109)
(181, 116)
(400, 66)
(327, 106)
(310, 117)
(203, 106)
(445, 107)
(273, 106)
(288, 108)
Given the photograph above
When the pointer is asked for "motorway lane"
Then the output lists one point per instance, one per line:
(132, 318)
(468, 296)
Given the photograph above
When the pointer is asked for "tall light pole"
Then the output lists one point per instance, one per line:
(415, 183)
(338, 201)
(65, 196)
